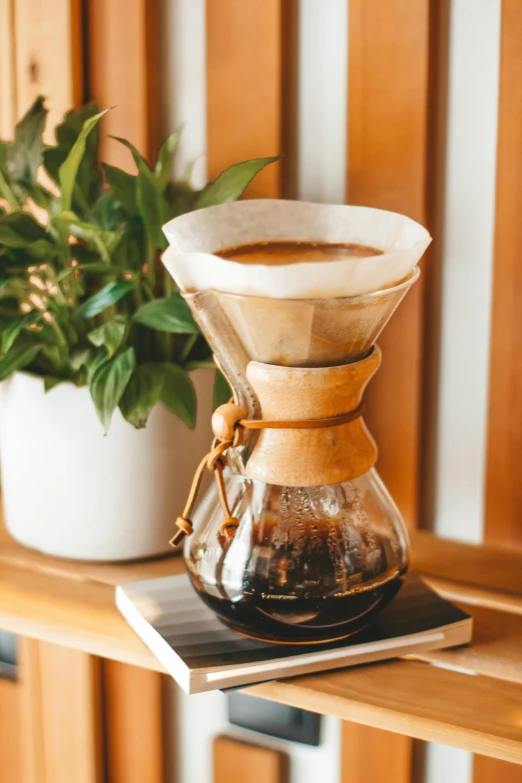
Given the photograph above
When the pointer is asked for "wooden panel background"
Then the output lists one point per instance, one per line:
(504, 451)
(245, 86)
(239, 762)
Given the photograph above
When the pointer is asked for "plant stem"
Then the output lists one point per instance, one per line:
(189, 344)
(60, 335)
(8, 193)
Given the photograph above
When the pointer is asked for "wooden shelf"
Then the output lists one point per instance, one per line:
(470, 697)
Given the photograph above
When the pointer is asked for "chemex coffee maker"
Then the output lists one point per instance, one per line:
(297, 540)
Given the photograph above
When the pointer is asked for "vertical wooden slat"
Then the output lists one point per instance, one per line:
(11, 759)
(389, 98)
(504, 454)
(237, 762)
(61, 714)
(244, 87)
(48, 56)
(123, 71)
(133, 724)
(371, 755)
(387, 168)
(503, 524)
(7, 70)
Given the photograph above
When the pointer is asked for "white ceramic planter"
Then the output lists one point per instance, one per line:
(70, 491)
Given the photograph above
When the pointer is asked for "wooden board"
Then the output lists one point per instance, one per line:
(387, 154)
(61, 714)
(373, 755)
(133, 725)
(504, 452)
(415, 699)
(123, 71)
(244, 87)
(11, 746)
(7, 70)
(238, 762)
(48, 56)
(73, 604)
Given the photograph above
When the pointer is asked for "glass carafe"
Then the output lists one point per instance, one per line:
(307, 562)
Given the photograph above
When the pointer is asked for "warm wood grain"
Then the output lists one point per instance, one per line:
(123, 70)
(73, 604)
(504, 454)
(488, 770)
(238, 762)
(387, 151)
(371, 755)
(244, 87)
(7, 70)
(11, 746)
(415, 699)
(311, 457)
(133, 725)
(48, 55)
(491, 568)
(504, 450)
(61, 714)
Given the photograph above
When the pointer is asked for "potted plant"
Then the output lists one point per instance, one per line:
(96, 342)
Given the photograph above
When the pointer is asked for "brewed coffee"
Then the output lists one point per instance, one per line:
(280, 253)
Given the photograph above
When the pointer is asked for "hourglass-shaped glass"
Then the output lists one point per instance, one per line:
(313, 544)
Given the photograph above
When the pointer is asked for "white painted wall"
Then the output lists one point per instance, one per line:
(467, 260)
(322, 100)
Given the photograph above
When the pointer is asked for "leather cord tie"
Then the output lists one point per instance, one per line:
(229, 424)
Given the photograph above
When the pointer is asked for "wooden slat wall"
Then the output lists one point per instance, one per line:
(123, 71)
(61, 716)
(374, 755)
(245, 85)
(387, 168)
(133, 721)
(11, 753)
(389, 84)
(504, 454)
(238, 762)
(48, 56)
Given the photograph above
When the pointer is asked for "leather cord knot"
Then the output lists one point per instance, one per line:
(228, 423)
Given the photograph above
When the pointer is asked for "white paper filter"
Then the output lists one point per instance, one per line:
(195, 238)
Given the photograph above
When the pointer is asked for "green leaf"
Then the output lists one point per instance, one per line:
(232, 182)
(24, 155)
(17, 358)
(104, 241)
(20, 230)
(168, 314)
(10, 334)
(178, 393)
(222, 390)
(165, 159)
(108, 384)
(69, 168)
(50, 382)
(142, 393)
(89, 179)
(151, 204)
(110, 335)
(109, 295)
(123, 187)
(80, 356)
(93, 364)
